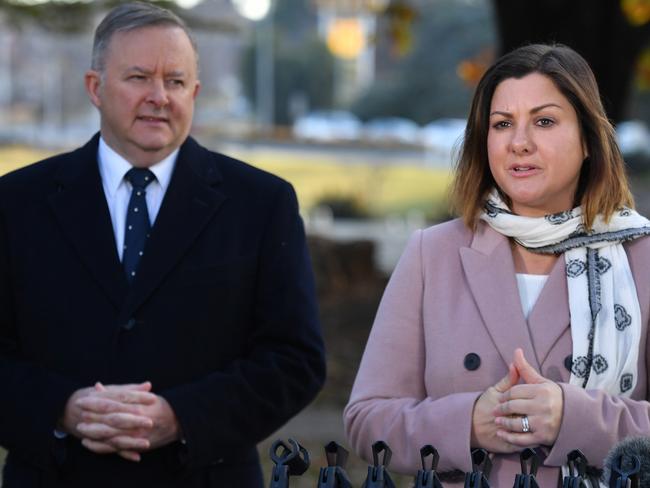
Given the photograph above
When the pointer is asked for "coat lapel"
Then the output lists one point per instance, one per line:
(490, 273)
(189, 203)
(81, 210)
(550, 317)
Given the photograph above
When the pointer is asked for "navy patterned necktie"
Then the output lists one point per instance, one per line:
(137, 227)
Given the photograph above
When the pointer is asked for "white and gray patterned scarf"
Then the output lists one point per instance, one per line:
(603, 302)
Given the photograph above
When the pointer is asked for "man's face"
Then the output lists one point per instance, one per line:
(145, 93)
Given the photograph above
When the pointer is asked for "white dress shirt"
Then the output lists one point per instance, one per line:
(112, 168)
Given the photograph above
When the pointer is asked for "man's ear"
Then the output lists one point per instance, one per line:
(197, 89)
(93, 81)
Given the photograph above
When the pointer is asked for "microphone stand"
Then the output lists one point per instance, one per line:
(334, 476)
(427, 477)
(529, 463)
(481, 467)
(289, 460)
(378, 476)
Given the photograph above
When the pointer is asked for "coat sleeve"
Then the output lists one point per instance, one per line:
(239, 406)
(593, 421)
(389, 400)
(32, 398)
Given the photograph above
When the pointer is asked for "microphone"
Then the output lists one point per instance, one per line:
(629, 460)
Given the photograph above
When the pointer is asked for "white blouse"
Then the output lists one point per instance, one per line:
(530, 286)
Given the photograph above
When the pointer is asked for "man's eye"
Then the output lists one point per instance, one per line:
(137, 77)
(176, 82)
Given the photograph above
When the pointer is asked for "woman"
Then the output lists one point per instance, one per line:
(514, 326)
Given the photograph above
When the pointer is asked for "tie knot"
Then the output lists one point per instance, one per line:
(139, 177)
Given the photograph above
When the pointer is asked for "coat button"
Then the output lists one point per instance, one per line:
(129, 324)
(472, 361)
(568, 362)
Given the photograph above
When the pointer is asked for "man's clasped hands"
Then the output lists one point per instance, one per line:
(123, 419)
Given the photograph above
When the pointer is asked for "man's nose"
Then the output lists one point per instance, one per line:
(158, 94)
(522, 142)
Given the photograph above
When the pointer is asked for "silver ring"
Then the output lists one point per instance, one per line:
(525, 425)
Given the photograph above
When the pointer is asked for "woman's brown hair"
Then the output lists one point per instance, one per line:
(603, 186)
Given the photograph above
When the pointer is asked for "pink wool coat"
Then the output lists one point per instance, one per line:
(454, 293)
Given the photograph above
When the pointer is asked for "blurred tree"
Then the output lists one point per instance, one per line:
(610, 34)
(424, 84)
(303, 66)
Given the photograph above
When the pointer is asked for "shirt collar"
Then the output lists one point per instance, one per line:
(113, 167)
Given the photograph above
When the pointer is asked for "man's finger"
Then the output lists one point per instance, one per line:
(119, 420)
(97, 446)
(126, 396)
(101, 404)
(129, 443)
(144, 386)
(130, 455)
(103, 448)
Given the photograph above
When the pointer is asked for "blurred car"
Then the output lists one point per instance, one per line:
(392, 130)
(442, 139)
(327, 126)
(633, 139)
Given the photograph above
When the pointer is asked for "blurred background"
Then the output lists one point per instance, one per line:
(361, 104)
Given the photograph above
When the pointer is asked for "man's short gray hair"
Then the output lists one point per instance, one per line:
(130, 16)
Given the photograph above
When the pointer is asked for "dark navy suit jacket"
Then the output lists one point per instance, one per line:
(221, 318)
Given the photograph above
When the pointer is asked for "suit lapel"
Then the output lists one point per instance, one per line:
(490, 273)
(81, 210)
(189, 203)
(550, 317)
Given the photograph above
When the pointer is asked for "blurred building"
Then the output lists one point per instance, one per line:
(42, 95)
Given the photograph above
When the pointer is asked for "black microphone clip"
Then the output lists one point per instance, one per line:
(577, 464)
(427, 477)
(481, 467)
(529, 463)
(289, 460)
(378, 476)
(334, 476)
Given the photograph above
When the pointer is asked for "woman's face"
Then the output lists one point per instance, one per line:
(535, 146)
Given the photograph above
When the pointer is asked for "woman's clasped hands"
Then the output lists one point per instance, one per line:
(524, 409)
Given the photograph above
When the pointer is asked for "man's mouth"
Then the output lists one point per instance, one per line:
(147, 118)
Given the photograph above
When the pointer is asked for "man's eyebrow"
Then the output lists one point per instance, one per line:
(137, 69)
(532, 110)
(145, 71)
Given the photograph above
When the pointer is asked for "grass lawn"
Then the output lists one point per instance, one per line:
(377, 189)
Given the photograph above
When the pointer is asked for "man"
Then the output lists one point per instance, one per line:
(157, 310)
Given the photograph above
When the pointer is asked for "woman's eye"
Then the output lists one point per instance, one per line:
(545, 122)
(502, 124)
